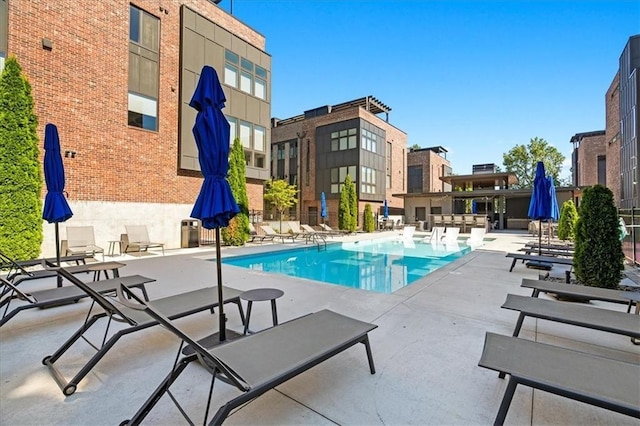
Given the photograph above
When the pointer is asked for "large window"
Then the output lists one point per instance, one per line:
(338, 175)
(144, 41)
(254, 141)
(344, 139)
(368, 180)
(243, 74)
(414, 179)
(369, 141)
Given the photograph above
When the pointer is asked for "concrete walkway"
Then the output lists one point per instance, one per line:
(426, 351)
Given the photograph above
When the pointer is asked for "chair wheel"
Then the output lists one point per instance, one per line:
(45, 359)
(69, 390)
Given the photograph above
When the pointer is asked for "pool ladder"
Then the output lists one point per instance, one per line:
(320, 241)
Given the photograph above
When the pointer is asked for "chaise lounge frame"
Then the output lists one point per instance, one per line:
(62, 295)
(603, 382)
(259, 362)
(536, 258)
(173, 307)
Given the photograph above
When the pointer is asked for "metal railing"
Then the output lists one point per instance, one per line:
(630, 246)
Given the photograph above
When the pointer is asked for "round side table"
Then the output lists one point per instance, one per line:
(261, 295)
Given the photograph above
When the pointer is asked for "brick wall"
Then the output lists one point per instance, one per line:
(590, 148)
(612, 137)
(81, 86)
(432, 165)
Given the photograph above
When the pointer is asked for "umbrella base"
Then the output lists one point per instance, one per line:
(539, 265)
(212, 341)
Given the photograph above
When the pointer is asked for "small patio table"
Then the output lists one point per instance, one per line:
(261, 295)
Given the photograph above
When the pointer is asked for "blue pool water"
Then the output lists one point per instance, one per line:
(377, 265)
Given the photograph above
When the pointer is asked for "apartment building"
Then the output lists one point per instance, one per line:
(316, 150)
(117, 78)
(589, 159)
(629, 96)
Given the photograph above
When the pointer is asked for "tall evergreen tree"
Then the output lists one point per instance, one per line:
(353, 203)
(20, 169)
(344, 207)
(237, 233)
(598, 259)
(567, 222)
(369, 224)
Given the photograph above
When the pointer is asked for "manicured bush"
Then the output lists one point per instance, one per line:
(344, 207)
(369, 224)
(568, 219)
(598, 259)
(20, 168)
(237, 233)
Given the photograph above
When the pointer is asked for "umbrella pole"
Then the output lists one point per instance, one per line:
(58, 253)
(539, 237)
(222, 318)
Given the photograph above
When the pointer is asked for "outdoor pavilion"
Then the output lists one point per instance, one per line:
(493, 198)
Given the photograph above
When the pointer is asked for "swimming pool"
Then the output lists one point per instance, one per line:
(382, 265)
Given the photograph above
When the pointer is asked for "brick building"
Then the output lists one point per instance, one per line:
(318, 149)
(612, 137)
(425, 167)
(116, 78)
(589, 160)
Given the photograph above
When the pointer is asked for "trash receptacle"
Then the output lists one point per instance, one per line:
(190, 233)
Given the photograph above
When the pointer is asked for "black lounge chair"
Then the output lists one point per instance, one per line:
(545, 262)
(49, 270)
(61, 295)
(13, 267)
(607, 383)
(583, 292)
(259, 362)
(173, 307)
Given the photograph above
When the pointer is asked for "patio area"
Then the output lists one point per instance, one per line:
(426, 349)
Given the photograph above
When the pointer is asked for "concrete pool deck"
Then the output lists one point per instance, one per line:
(426, 350)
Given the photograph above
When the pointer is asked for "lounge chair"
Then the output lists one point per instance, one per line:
(61, 295)
(311, 235)
(259, 362)
(607, 383)
(81, 240)
(255, 237)
(173, 307)
(541, 262)
(583, 292)
(13, 267)
(407, 232)
(327, 228)
(137, 239)
(437, 232)
(477, 237)
(308, 229)
(271, 232)
(451, 235)
(546, 252)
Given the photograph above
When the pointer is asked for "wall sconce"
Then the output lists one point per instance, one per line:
(163, 9)
(70, 154)
(47, 44)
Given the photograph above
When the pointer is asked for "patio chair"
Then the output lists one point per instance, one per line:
(467, 222)
(436, 235)
(481, 222)
(173, 307)
(12, 268)
(607, 383)
(61, 295)
(477, 237)
(334, 231)
(311, 235)
(271, 232)
(258, 362)
(407, 232)
(255, 237)
(295, 229)
(451, 235)
(539, 262)
(137, 239)
(81, 240)
(308, 229)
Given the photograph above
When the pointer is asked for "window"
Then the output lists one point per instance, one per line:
(339, 174)
(414, 179)
(233, 129)
(602, 170)
(293, 149)
(259, 138)
(280, 151)
(368, 180)
(245, 134)
(388, 177)
(231, 68)
(144, 40)
(246, 81)
(344, 139)
(261, 83)
(369, 141)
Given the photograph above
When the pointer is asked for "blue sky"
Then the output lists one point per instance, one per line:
(477, 77)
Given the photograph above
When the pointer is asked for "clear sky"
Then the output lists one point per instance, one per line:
(477, 77)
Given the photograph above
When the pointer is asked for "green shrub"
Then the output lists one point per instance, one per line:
(598, 259)
(568, 219)
(237, 233)
(353, 204)
(344, 207)
(369, 224)
(20, 168)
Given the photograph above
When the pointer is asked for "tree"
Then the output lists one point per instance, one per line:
(598, 259)
(344, 207)
(415, 147)
(20, 169)
(353, 203)
(369, 224)
(237, 233)
(567, 222)
(522, 161)
(280, 195)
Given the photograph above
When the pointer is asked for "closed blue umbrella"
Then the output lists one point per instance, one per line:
(215, 204)
(56, 208)
(323, 206)
(540, 204)
(474, 207)
(385, 212)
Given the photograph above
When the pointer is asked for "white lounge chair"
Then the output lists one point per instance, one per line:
(81, 240)
(476, 238)
(137, 239)
(451, 235)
